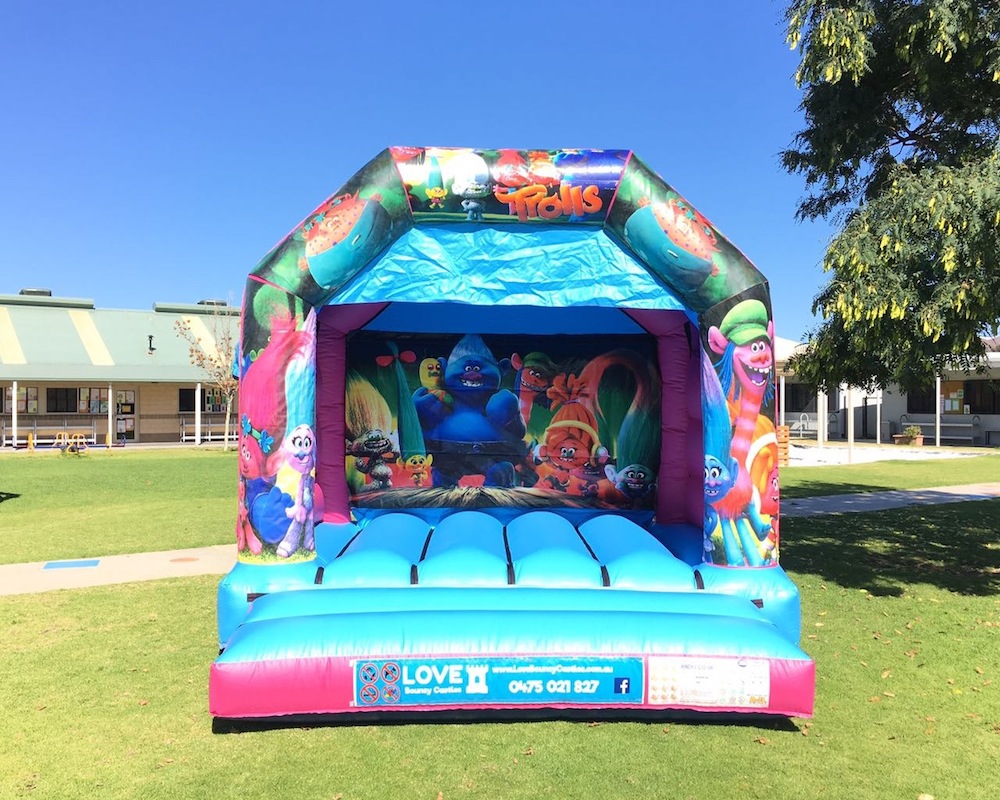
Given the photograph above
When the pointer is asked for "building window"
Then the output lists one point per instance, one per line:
(212, 401)
(798, 398)
(61, 401)
(922, 400)
(982, 397)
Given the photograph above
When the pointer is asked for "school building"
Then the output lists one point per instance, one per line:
(68, 369)
(957, 409)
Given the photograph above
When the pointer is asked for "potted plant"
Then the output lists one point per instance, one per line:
(912, 434)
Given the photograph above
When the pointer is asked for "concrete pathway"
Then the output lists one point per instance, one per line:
(895, 498)
(44, 576)
(47, 576)
(806, 453)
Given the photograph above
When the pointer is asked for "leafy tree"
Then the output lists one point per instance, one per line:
(902, 107)
(216, 357)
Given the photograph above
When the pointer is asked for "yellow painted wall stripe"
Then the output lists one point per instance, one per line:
(83, 321)
(201, 332)
(10, 347)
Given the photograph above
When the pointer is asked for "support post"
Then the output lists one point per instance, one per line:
(781, 400)
(197, 413)
(850, 424)
(13, 415)
(937, 411)
(821, 421)
(878, 416)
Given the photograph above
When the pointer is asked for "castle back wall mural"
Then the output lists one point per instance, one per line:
(538, 420)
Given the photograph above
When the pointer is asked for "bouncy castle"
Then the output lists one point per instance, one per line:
(507, 444)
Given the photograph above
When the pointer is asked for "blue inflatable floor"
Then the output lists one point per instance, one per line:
(474, 549)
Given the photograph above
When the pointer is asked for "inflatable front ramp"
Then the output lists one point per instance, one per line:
(536, 614)
(333, 651)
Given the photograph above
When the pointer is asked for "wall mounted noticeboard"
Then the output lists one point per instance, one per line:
(953, 397)
(26, 401)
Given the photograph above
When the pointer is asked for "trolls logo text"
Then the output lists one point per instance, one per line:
(535, 201)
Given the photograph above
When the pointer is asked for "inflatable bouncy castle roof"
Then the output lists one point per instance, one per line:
(605, 214)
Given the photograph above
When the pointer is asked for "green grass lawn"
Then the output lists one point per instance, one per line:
(104, 691)
(877, 476)
(133, 501)
(58, 506)
(104, 695)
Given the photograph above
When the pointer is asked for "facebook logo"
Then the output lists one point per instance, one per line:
(622, 685)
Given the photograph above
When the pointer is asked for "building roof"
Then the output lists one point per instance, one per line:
(44, 338)
(784, 349)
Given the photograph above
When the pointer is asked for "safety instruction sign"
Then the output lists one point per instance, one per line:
(502, 680)
(709, 682)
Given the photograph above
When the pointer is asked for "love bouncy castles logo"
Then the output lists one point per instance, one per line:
(507, 680)
(535, 201)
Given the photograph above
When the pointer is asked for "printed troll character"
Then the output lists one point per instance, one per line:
(371, 442)
(721, 469)
(744, 342)
(475, 428)
(345, 230)
(294, 465)
(571, 441)
(636, 433)
(297, 477)
(770, 504)
(251, 471)
(431, 374)
(471, 182)
(762, 464)
(535, 373)
(263, 416)
(413, 467)
(510, 170)
(675, 239)
(435, 191)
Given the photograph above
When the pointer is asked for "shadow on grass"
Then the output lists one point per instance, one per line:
(8, 496)
(824, 488)
(223, 725)
(955, 547)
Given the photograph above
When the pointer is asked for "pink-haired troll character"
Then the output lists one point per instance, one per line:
(251, 467)
(263, 414)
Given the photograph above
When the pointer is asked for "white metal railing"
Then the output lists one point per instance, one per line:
(213, 429)
(807, 425)
(46, 430)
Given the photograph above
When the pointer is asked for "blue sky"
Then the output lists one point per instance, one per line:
(154, 152)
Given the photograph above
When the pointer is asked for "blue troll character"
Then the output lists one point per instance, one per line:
(636, 482)
(740, 534)
(719, 479)
(479, 431)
